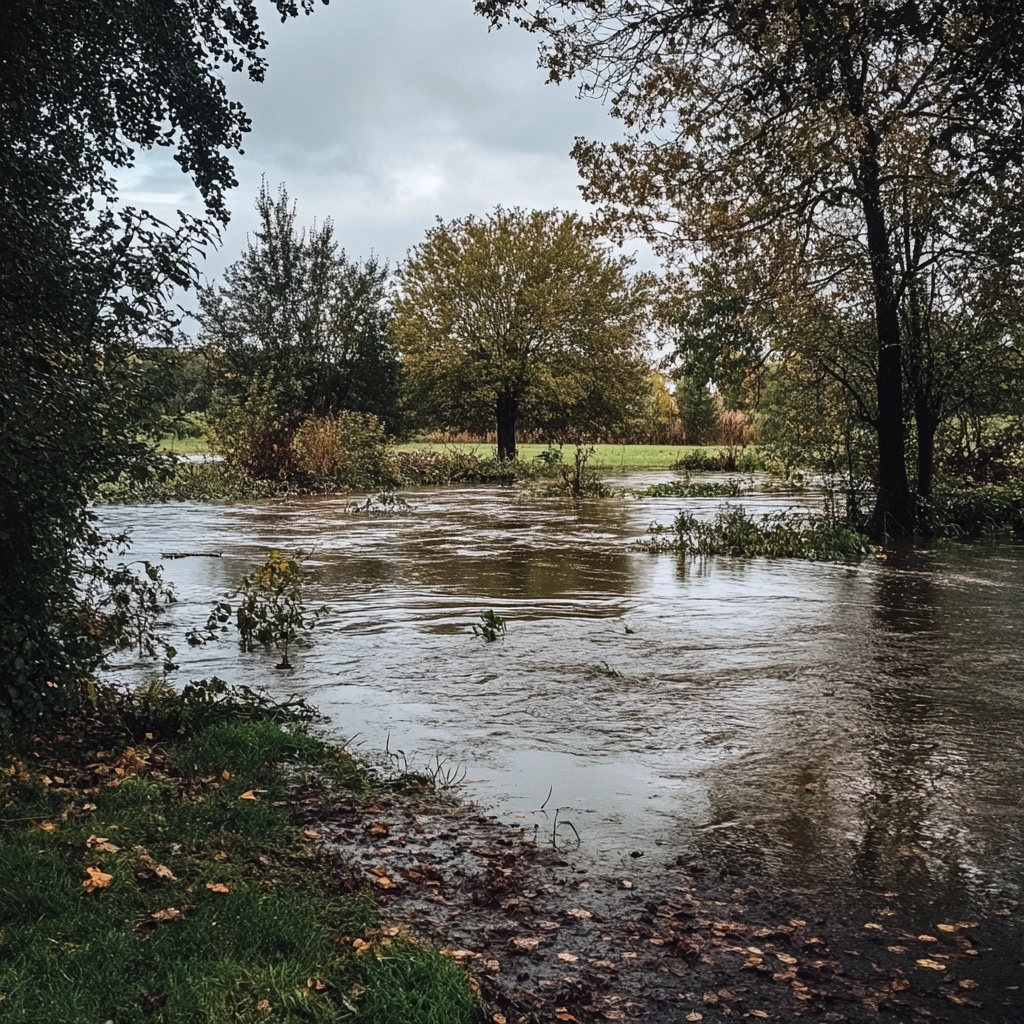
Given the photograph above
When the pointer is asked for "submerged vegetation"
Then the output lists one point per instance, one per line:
(775, 535)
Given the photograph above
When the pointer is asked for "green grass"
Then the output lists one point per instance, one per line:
(606, 456)
(183, 445)
(247, 929)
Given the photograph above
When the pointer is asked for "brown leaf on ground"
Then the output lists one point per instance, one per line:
(217, 887)
(871, 926)
(378, 828)
(360, 945)
(96, 879)
(526, 943)
(927, 938)
(263, 1006)
(249, 794)
(314, 984)
(932, 965)
(967, 983)
(169, 914)
(569, 958)
(47, 826)
(561, 1013)
(579, 912)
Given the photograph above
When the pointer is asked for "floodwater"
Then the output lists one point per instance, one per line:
(845, 730)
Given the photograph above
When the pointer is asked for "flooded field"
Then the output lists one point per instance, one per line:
(840, 730)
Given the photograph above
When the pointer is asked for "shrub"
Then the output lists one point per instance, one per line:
(974, 511)
(255, 437)
(351, 449)
(776, 535)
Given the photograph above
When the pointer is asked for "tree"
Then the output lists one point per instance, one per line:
(522, 315)
(802, 122)
(82, 281)
(295, 310)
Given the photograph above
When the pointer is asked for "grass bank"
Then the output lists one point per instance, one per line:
(157, 869)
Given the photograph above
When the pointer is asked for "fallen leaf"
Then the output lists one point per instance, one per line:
(966, 924)
(946, 927)
(967, 983)
(384, 882)
(310, 834)
(227, 775)
(785, 958)
(217, 887)
(249, 794)
(378, 828)
(164, 872)
(871, 926)
(460, 954)
(900, 985)
(96, 880)
(360, 945)
(88, 807)
(561, 1013)
(263, 1006)
(492, 965)
(927, 938)
(626, 883)
(759, 1013)
(569, 958)
(314, 984)
(897, 949)
(695, 1016)
(47, 826)
(932, 965)
(101, 843)
(170, 914)
(526, 943)
(499, 1018)
(579, 912)
(220, 856)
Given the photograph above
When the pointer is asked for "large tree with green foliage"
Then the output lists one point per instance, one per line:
(297, 314)
(84, 279)
(805, 122)
(522, 316)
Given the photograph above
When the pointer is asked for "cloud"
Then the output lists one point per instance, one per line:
(386, 115)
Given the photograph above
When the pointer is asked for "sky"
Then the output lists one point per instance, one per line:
(385, 114)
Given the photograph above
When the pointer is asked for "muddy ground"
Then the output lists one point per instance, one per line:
(670, 940)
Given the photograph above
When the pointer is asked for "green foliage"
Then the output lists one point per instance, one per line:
(522, 315)
(295, 309)
(974, 511)
(775, 535)
(491, 626)
(254, 434)
(269, 609)
(85, 281)
(686, 489)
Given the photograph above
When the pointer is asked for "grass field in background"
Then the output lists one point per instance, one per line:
(606, 456)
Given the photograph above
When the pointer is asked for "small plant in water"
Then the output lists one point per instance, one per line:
(490, 627)
(270, 610)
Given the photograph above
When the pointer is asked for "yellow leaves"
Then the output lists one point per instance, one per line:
(249, 794)
(360, 945)
(932, 965)
(96, 879)
(218, 887)
(384, 882)
(946, 928)
(47, 826)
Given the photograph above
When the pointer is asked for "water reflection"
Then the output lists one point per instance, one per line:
(855, 729)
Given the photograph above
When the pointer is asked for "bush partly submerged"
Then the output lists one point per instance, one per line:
(775, 535)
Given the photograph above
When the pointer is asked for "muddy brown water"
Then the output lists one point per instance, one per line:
(851, 732)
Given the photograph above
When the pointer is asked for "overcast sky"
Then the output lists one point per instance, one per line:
(383, 114)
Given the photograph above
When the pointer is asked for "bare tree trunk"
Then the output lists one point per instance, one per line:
(894, 514)
(507, 410)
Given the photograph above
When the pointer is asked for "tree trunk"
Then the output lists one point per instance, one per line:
(927, 425)
(508, 408)
(894, 514)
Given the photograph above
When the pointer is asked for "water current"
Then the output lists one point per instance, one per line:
(844, 729)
